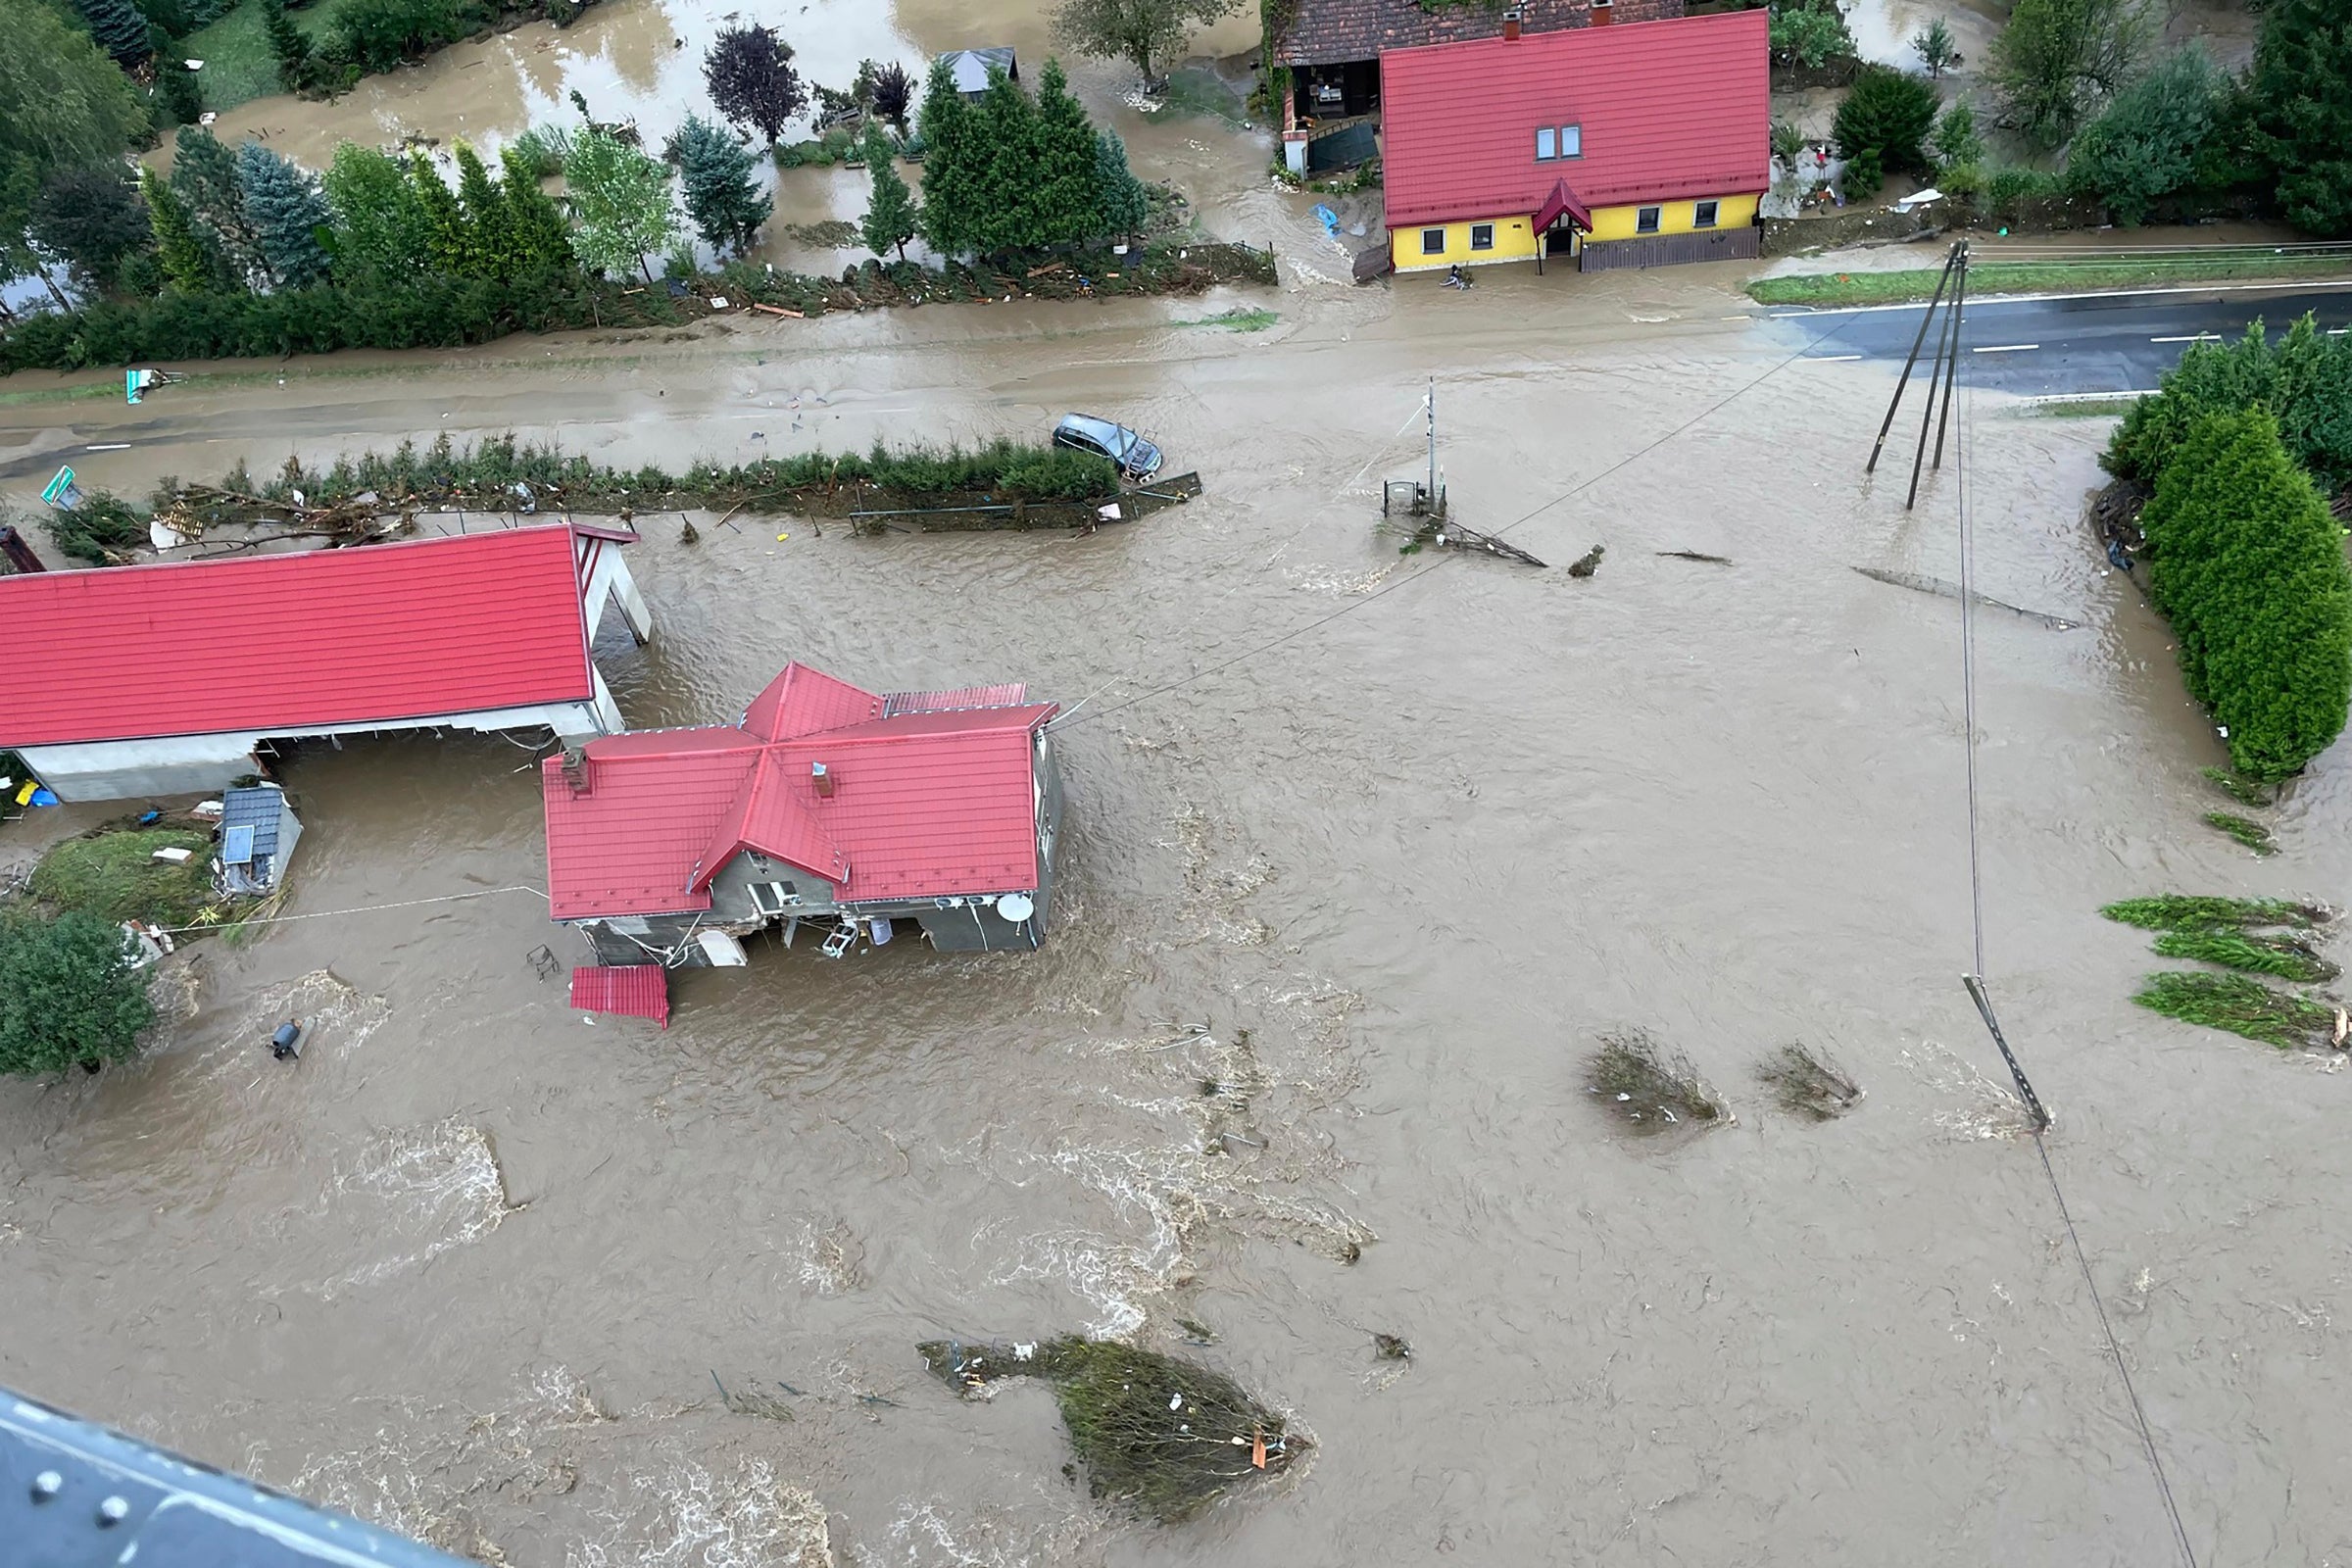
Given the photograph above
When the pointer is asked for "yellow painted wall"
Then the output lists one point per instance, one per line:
(1674, 217)
(1514, 241)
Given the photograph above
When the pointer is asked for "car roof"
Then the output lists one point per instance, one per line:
(1095, 425)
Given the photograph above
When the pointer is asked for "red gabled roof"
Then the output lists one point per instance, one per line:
(1668, 110)
(635, 989)
(931, 803)
(288, 643)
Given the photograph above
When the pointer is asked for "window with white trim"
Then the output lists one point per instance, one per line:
(1547, 144)
(1646, 220)
(1433, 242)
(774, 898)
(1482, 236)
(1572, 141)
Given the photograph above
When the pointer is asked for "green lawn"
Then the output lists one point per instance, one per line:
(116, 875)
(237, 62)
(2044, 277)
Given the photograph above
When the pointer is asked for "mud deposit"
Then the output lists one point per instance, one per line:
(472, 1266)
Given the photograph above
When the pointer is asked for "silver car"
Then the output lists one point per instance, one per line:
(1136, 457)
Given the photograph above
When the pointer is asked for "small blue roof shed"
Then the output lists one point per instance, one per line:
(258, 832)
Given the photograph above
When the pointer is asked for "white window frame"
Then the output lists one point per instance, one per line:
(1648, 220)
(1474, 231)
(1705, 215)
(1547, 144)
(1572, 141)
(783, 893)
(1427, 248)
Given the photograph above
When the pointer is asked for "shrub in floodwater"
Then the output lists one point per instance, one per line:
(2244, 791)
(2241, 1005)
(1160, 1434)
(2181, 911)
(67, 994)
(1806, 1084)
(2252, 834)
(2281, 958)
(1641, 1081)
(100, 531)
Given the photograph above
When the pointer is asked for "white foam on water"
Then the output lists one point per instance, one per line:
(431, 1189)
(683, 1515)
(924, 1536)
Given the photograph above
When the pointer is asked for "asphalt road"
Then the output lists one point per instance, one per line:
(2074, 343)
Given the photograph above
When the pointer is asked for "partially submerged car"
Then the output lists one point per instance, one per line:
(1136, 457)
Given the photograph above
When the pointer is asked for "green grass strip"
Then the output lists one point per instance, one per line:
(2035, 278)
(116, 876)
(2280, 957)
(2239, 1005)
(2181, 912)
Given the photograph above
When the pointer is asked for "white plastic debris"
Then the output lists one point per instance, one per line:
(1175, 1402)
(174, 854)
(1023, 1353)
(718, 302)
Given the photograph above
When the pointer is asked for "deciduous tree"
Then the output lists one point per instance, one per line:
(621, 201)
(2146, 144)
(63, 105)
(714, 175)
(1147, 33)
(69, 996)
(1936, 49)
(2058, 58)
(287, 210)
(379, 231)
(890, 94)
(94, 219)
(890, 215)
(749, 72)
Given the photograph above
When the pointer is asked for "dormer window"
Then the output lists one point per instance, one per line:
(1554, 142)
(1547, 144)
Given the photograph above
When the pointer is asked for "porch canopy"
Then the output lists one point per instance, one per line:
(1563, 200)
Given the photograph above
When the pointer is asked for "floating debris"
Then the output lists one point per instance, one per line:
(2280, 957)
(1641, 1081)
(1585, 564)
(2239, 788)
(1696, 555)
(1160, 1434)
(1936, 585)
(1389, 1348)
(2252, 834)
(2246, 1006)
(753, 1402)
(1806, 1084)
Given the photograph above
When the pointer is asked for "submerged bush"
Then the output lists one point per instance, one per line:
(1807, 1084)
(1639, 1080)
(2184, 911)
(2280, 957)
(2241, 1005)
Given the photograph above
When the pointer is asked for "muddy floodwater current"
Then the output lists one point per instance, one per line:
(1365, 854)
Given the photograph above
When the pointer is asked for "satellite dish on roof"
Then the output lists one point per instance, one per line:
(1015, 906)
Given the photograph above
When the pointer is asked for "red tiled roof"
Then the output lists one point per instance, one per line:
(1668, 110)
(925, 803)
(1331, 31)
(633, 990)
(288, 643)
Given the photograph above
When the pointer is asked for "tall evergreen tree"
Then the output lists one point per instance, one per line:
(94, 219)
(440, 223)
(541, 238)
(205, 174)
(379, 226)
(119, 29)
(890, 215)
(1126, 207)
(714, 172)
(491, 250)
(950, 180)
(177, 94)
(1062, 193)
(622, 200)
(287, 210)
(288, 45)
(188, 259)
(2300, 91)
(1005, 129)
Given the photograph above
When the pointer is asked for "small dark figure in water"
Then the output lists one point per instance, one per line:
(1456, 277)
(287, 1043)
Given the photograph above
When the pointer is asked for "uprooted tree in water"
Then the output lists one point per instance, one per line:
(1160, 1434)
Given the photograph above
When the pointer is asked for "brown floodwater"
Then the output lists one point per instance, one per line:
(1379, 844)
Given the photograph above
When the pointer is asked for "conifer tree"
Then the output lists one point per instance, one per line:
(1125, 204)
(287, 210)
(204, 175)
(950, 179)
(541, 238)
(1004, 131)
(715, 172)
(1062, 193)
(380, 228)
(890, 216)
(119, 29)
(288, 45)
(188, 261)
(441, 224)
(489, 241)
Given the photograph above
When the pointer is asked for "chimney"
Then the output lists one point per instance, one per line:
(1510, 26)
(575, 770)
(1600, 13)
(823, 780)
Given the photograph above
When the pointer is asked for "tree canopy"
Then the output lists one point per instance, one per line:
(2147, 143)
(63, 105)
(2300, 92)
(287, 210)
(1145, 33)
(890, 214)
(620, 199)
(749, 72)
(715, 173)
(2057, 60)
(94, 219)
(1888, 113)
(67, 994)
(2305, 380)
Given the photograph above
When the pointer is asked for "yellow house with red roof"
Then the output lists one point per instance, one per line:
(1636, 145)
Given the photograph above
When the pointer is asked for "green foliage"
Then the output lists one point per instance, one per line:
(67, 994)
(1955, 140)
(287, 45)
(1162, 1435)
(189, 260)
(102, 530)
(541, 150)
(621, 200)
(1062, 195)
(1809, 35)
(1936, 49)
(1890, 114)
(2146, 144)
(1005, 133)
(1863, 176)
(749, 73)
(2245, 792)
(2239, 1005)
(94, 219)
(287, 210)
(1140, 32)
(2280, 957)
(119, 29)
(440, 221)
(86, 114)
(115, 876)
(1786, 141)
(1639, 1080)
(951, 157)
(2186, 911)
(714, 172)
(1126, 205)
(1808, 1084)
(2246, 560)
(891, 218)
(2300, 96)
(539, 238)
(179, 100)
(489, 244)
(2249, 832)
(379, 226)
(205, 175)
(2008, 191)
(2305, 379)
(378, 34)
(2057, 59)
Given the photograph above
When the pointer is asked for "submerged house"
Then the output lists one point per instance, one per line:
(1332, 50)
(174, 679)
(1621, 146)
(825, 805)
(258, 833)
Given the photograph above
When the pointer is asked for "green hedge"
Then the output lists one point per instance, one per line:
(2249, 565)
(2305, 380)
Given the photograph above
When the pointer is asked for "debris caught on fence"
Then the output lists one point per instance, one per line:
(1936, 585)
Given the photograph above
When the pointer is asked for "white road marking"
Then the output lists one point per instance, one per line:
(1829, 359)
(110, 446)
(2193, 337)
(2312, 284)
(2005, 347)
